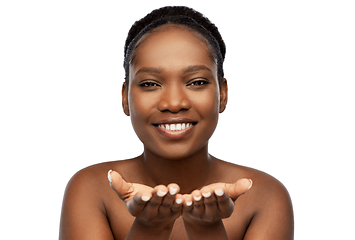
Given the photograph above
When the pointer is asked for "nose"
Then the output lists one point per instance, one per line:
(174, 99)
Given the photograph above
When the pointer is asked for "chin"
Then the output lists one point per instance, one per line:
(175, 152)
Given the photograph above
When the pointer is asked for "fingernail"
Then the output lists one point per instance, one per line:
(251, 184)
(206, 195)
(145, 198)
(172, 190)
(161, 193)
(178, 200)
(188, 203)
(197, 198)
(109, 176)
(219, 192)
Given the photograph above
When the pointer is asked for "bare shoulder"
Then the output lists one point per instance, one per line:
(94, 176)
(263, 184)
(273, 216)
(89, 176)
(85, 203)
(91, 186)
(266, 209)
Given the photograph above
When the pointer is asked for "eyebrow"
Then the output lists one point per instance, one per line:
(189, 69)
(149, 70)
(195, 68)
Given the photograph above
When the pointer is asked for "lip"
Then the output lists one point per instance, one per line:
(175, 120)
(176, 134)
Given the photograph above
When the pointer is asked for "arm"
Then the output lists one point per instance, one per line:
(274, 217)
(83, 217)
(84, 213)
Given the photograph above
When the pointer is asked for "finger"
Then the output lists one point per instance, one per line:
(239, 187)
(224, 202)
(206, 193)
(209, 197)
(198, 207)
(121, 187)
(173, 189)
(187, 203)
(210, 202)
(166, 207)
(137, 204)
(177, 205)
(156, 200)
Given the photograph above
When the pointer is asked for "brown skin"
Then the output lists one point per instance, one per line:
(166, 89)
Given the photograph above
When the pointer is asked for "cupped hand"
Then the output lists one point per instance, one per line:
(213, 202)
(158, 205)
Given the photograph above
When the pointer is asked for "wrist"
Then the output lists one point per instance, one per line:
(157, 225)
(149, 231)
(205, 230)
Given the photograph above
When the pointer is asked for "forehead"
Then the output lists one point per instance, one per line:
(172, 46)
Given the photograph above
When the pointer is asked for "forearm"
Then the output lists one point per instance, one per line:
(146, 232)
(215, 231)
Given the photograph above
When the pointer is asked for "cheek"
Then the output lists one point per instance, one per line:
(140, 108)
(207, 103)
(207, 106)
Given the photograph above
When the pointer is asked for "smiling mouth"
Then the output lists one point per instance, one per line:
(175, 126)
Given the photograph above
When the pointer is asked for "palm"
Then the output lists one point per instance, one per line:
(150, 205)
(214, 202)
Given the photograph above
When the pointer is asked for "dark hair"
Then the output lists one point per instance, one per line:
(175, 15)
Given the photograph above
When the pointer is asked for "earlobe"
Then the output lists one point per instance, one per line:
(223, 95)
(125, 99)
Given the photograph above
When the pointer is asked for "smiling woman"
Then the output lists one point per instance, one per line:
(174, 92)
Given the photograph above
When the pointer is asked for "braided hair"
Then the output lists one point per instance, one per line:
(175, 15)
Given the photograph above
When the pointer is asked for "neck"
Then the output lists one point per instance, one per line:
(189, 173)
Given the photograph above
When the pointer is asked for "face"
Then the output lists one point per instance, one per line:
(173, 96)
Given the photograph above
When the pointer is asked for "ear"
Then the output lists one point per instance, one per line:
(125, 99)
(223, 95)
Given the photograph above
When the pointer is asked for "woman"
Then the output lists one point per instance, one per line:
(174, 92)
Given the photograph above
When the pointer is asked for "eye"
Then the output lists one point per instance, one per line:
(198, 83)
(149, 85)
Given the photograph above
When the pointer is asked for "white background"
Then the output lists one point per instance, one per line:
(290, 67)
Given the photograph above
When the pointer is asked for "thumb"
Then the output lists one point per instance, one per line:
(238, 188)
(121, 187)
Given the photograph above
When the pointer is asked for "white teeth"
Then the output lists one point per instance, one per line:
(175, 127)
